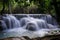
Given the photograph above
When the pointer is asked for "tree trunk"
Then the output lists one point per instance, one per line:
(9, 7)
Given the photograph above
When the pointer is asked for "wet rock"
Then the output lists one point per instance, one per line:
(16, 38)
(38, 38)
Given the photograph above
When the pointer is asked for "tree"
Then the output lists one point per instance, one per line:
(7, 3)
(3, 3)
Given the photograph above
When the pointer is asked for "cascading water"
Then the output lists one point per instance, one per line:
(26, 25)
(14, 22)
(9, 22)
(45, 21)
(42, 24)
(2, 25)
(49, 19)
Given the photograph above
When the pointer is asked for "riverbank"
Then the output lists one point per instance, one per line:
(53, 37)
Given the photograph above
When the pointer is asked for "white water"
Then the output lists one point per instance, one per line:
(27, 26)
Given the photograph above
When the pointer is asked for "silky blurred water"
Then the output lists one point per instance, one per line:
(30, 25)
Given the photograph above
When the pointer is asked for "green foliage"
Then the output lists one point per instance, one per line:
(43, 6)
(47, 3)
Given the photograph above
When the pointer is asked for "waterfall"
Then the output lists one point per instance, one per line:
(9, 21)
(29, 23)
(23, 21)
(3, 25)
(33, 24)
(14, 22)
(42, 24)
(50, 20)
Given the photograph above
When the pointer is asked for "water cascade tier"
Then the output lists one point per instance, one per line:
(28, 24)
